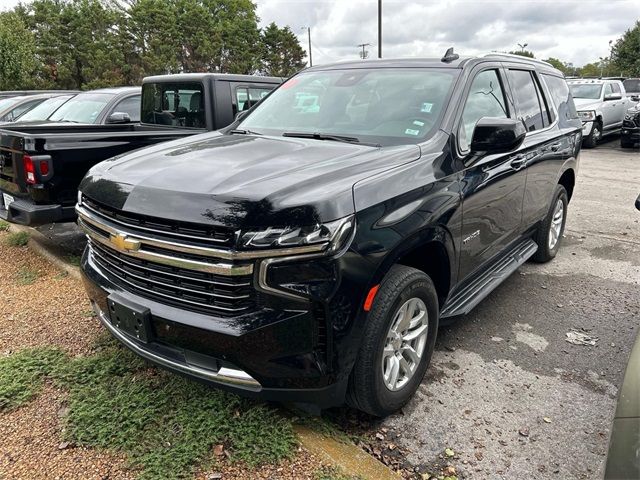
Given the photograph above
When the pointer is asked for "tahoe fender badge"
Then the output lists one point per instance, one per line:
(471, 237)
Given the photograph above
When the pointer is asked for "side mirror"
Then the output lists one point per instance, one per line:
(497, 135)
(241, 115)
(612, 96)
(118, 117)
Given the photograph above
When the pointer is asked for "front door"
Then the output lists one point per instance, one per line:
(492, 185)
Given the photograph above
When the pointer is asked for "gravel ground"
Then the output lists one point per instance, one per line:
(40, 306)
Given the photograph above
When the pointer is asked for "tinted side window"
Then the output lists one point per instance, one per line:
(526, 95)
(176, 104)
(485, 99)
(130, 105)
(616, 88)
(561, 97)
(247, 97)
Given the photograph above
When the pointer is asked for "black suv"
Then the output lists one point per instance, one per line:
(309, 252)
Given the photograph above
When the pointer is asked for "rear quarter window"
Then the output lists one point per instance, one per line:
(561, 98)
(174, 104)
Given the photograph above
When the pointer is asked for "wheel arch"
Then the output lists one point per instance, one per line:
(568, 181)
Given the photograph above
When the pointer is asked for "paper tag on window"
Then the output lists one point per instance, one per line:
(409, 131)
(418, 123)
(426, 107)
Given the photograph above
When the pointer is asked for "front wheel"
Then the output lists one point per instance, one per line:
(549, 234)
(591, 140)
(398, 342)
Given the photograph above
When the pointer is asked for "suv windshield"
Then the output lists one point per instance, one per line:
(381, 106)
(584, 90)
(46, 108)
(176, 104)
(83, 108)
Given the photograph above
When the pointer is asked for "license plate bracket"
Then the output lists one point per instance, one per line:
(131, 319)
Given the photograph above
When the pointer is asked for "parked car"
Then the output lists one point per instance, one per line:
(42, 164)
(630, 133)
(22, 93)
(42, 111)
(601, 106)
(310, 254)
(11, 108)
(632, 87)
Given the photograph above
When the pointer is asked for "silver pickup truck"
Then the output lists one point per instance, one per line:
(601, 106)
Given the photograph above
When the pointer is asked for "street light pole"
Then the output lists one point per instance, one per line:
(309, 34)
(379, 28)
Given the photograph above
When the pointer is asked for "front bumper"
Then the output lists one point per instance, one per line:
(586, 128)
(630, 131)
(269, 354)
(26, 212)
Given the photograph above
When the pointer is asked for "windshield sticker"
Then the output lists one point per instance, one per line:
(426, 107)
(409, 131)
(289, 83)
(418, 123)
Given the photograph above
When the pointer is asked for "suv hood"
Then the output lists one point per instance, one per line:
(587, 103)
(241, 181)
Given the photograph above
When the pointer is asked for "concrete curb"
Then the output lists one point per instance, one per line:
(351, 459)
(47, 249)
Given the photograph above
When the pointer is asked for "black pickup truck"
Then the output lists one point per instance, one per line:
(309, 252)
(42, 164)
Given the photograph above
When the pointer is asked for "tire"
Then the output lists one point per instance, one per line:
(592, 139)
(626, 143)
(368, 390)
(547, 250)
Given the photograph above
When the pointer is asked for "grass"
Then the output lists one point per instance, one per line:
(26, 276)
(17, 239)
(73, 260)
(166, 424)
(4, 226)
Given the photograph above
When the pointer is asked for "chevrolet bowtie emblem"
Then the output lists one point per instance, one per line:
(122, 242)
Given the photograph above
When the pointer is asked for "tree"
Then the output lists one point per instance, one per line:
(625, 54)
(560, 65)
(590, 70)
(523, 53)
(17, 49)
(282, 54)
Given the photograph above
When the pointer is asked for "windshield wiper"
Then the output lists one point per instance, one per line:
(329, 136)
(239, 131)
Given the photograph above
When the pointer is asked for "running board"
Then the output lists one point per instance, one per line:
(466, 299)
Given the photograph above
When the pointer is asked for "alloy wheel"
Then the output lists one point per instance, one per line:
(405, 343)
(556, 224)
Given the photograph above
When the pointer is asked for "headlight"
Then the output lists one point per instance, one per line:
(333, 234)
(587, 115)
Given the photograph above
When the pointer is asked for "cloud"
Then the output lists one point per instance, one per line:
(576, 31)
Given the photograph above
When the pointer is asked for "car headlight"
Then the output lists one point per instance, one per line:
(332, 234)
(587, 115)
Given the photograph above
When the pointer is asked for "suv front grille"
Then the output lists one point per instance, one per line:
(184, 288)
(206, 235)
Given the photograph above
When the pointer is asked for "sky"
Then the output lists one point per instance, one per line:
(576, 31)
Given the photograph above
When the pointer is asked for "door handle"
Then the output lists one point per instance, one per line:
(518, 162)
(555, 147)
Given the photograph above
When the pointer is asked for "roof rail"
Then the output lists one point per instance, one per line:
(520, 57)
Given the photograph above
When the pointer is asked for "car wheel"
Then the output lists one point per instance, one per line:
(594, 137)
(549, 234)
(626, 143)
(398, 342)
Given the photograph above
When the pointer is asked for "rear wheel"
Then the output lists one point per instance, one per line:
(398, 343)
(549, 234)
(594, 137)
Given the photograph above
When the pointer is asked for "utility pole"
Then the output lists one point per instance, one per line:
(522, 47)
(379, 28)
(309, 33)
(364, 54)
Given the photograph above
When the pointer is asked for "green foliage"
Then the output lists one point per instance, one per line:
(590, 70)
(96, 43)
(17, 239)
(165, 424)
(17, 49)
(523, 53)
(625, 54)
(21, 374)
(560, 65)
(282, 55)
(331, 473)
(4, 226)
(26, 276)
